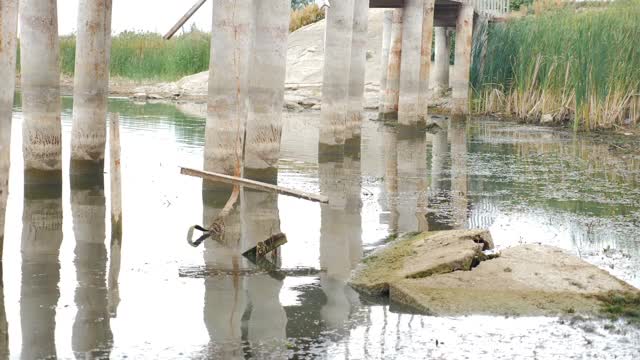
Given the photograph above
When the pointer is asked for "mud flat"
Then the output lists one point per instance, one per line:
(448, 273)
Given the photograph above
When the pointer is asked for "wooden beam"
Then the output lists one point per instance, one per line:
(184, 19)
(228, 179)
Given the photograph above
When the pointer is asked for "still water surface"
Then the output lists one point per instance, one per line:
(69, 292)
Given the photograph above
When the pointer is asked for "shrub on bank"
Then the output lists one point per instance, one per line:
(568, 64)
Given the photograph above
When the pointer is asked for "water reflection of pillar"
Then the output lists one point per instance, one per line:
(412, 184)
(459, 181)
(91, 335)
(439, 154)
(4, 326)
(391, 176)
(268, 320)
(225, 295)
(340, 236)
(41, 240)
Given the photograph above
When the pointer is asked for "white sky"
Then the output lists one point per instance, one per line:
(142, 15)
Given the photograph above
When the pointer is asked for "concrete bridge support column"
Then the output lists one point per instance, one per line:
(357, 73)
(391, 96)
(441, 63)
(231, 38)
(425, 59)
(384, 53)
(335, 79)
(8, 36)
(268, 61)
(462, 65)
(411, 76)
(41, 129)
(91, 87)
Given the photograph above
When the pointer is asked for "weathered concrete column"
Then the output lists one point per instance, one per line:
(390, 106)
(411, 74)
(266, 89)
(441, 62)
(357, 73)
(40, 248)
(8, 36)
(91, 87)
(335, 75)
(91, 336)
(4, 326)
(462, 64)
(425, 60)
(41, 130)
(384, 55)
(231, 39)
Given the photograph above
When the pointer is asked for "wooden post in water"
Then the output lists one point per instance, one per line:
(91, 87)
(357, 74)
(8, 43)
(40, 77)
(266, 89)
(335, 76)
(384, 53)
(231, 37)
(462, 64)
(390, 106)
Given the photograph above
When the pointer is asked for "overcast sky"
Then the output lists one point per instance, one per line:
(142, 15)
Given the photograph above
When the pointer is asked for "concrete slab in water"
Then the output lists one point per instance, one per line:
(436, 273)
(419, 256)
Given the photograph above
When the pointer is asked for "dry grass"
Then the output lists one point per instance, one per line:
(305, 16)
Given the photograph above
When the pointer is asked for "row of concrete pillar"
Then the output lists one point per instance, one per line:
(406, 59)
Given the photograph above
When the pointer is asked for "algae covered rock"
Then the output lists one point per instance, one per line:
(419, 256)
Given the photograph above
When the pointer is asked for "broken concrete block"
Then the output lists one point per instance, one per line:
(419, 256)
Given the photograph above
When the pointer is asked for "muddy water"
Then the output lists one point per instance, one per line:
(68, 292)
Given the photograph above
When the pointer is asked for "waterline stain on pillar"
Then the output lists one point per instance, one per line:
(462, 65)
(231, 38)
(390, 106)
(8, 43)
(384, 60)
(40, 77)
(357, 73)
(91, 87)
(441, 61)
(335, 78)
(267, 71)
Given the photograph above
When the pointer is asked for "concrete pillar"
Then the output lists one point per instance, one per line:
(411, 74)
(231, 39)
(4, 326)
(335, 76)
(266, 89)
(357, 73)
(40, 248)
(8, 36)
(390, 106)
(425, 60)
(225, 297)
(91, 87)
(40, 76)
(384, 55)
(462, 64)
(441, 63)
(91, 336)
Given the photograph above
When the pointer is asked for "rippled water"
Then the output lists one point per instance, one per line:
(67, 295)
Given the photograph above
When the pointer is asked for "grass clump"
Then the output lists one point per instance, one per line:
(621, 305)
(305, 16)
(567, 64)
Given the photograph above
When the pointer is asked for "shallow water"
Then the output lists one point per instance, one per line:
(65, 295)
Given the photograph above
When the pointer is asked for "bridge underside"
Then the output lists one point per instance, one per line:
(445, 12)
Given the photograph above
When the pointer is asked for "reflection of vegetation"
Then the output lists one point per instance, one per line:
(570, 64)
(622, 305)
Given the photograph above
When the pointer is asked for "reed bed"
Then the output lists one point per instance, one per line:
(305, 16)
(569, 64)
